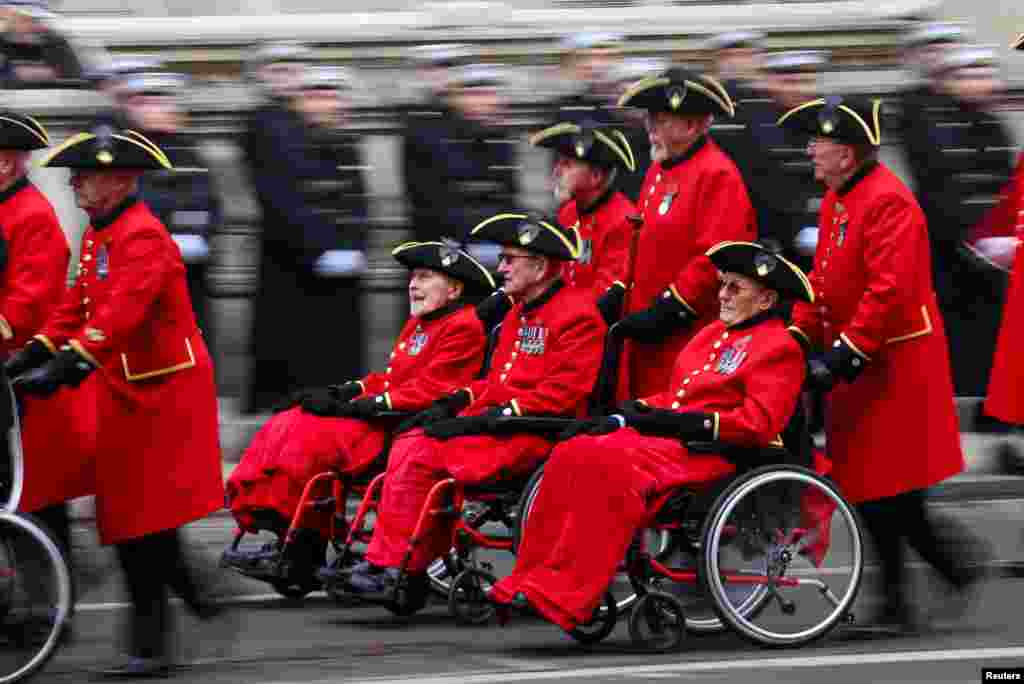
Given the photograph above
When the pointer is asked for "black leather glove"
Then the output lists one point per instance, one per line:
(32, 355)
(610, 303)
(840, 362)
(327, 401)
(664, 317)
(442, 409)
(492, 310)
(687, 425)
(364, 408)
(602, 425)
(68, 367)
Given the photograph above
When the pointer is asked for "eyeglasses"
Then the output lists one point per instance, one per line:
(509, 258)
(733, 287)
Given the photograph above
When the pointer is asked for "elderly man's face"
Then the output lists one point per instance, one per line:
(98, 191)
(521, 269)
(671, 134)
(431, 290)
(572, 176)
(741, 298)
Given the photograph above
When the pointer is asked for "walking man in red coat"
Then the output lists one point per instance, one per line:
(885, 356)
(545, 363)
(693, 197)
(589, 161)
(737, 381)
(124, 336)
(34, 257)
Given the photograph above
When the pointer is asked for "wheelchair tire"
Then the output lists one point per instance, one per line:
(758, 513)
(38, 606)
(468, 601)
(410, 596)
(601, 624)
(657, 622)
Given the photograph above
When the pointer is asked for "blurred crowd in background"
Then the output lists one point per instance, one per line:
(458, 160)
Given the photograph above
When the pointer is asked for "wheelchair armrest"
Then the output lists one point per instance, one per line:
(750, 456)
(534, 424)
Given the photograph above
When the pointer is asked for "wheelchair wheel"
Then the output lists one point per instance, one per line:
(657, 622)
(410, 596)
(600, 625)
(808, 535)
(468, 601)
(35, 590)
(698, 606)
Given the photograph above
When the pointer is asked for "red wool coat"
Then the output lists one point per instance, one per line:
(545, 362)
(432, 357)
(688, 205)
(748, 377)
(606, 233)
(157, 457)
(873, 284)
(30, 288)
(1005, 399)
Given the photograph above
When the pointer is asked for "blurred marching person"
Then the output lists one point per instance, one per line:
(339, 427)
(589, 158)
(183, 199)
(32, 50)
(111, 79)
(308, 175)
(963, 156)
(693, 198)
(34, 258)
(588, 62)
(626, 461)
(997, 238)
(545, 363)
(123, 344)
(773, 160)
(885, 363)
(423, 119)
(736, 59)
(465, 167)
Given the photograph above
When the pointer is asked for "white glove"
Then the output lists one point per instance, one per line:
(193, 247)
(339, 263)
(806, 241)
(998, 250)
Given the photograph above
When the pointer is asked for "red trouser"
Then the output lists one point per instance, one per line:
(606, 483)
(416, 464)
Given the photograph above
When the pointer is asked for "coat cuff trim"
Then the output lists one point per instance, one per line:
(46, 343)
(856, 350)
(682, 300)
(83, 352)
(515, 406)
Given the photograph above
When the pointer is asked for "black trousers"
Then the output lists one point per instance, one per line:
(153, 564)
(940, 541)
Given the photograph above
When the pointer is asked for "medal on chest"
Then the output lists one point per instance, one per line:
(667, 199)
(586, 252)
(417, 341)
(839, 222)
(532, 339)
(102, 262)
(733, 356)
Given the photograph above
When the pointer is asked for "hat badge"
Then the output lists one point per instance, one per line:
(764, 264)
(528, 233)
(676, 95)
(827, 126)
(581, 149)
(104, 157)
(448, 257)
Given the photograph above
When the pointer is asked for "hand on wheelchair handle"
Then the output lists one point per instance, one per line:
(32, 355)
(664, 317)
(610, 303)
(819, 376)
(362, 408)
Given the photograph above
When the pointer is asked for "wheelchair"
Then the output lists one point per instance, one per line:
(736, 554)
(35, 585)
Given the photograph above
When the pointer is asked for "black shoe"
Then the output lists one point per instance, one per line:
(137, 668)
(890, 622)
(338, 573)
(373, 582)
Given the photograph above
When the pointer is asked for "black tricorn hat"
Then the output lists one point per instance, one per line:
(854, 121)
(447, 258)
(758, 263)
(21, 132)
(678, 91)
(532, 233)
(106, 149)
(602, 146)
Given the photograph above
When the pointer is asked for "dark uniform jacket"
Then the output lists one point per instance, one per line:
(961, 157)
(457, 172)
(311, 190)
